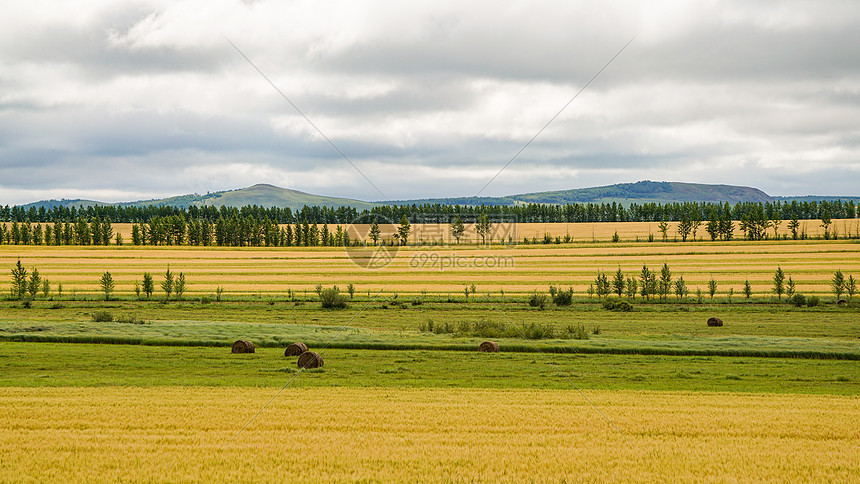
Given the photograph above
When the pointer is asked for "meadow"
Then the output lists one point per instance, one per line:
(153, 392)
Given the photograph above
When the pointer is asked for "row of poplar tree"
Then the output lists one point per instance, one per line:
(421, 213)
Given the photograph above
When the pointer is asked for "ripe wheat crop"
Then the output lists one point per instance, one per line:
(428, 435)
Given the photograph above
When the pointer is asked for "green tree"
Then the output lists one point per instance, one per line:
(779, 282)
(107, 233)
(685, 226)
(167, 284)
(618, 282)
(602, 284)
(647, 282)
(681, 290)
(696, 223)
(374, 232)
(790, 287)
(643, 281)
(775, 222)
(632, 287)
(457, 228)
(96, 231)
(793, 225)
(665, 281)
(483, 228)
(713, 225)
(403, 230)
(148, 284)
(825, 223)
(136, 239)
(747, 289)
(35, 283)
(19, 281)
(837, 283)
(851, 287)
(727, 226)
(107, 284)
(663, 226)
(179, 286)
(46, 287)
(712, 287)
(82, 232)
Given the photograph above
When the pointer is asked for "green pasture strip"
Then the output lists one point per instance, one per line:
(63, 365)
(666, 320)
(506, 346)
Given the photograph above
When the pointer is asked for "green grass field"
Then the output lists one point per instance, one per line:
(73, 365)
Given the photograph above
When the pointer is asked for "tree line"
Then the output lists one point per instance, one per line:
(662, 284)
(236, 231)
(427, 213)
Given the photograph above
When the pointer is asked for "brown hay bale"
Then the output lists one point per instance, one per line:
(715, 322)
(296, 349)
(489, 347)
(243, 346)
(310, 359)
(841, 301)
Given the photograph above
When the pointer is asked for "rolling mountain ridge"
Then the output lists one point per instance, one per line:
(266, 195)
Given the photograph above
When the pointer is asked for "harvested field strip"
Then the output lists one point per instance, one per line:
(584, 231)
(427, 435)
(270, 271)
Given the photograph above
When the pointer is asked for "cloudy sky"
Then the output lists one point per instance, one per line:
(120, 101)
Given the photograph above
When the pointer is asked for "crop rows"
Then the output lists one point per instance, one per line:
(413, 271)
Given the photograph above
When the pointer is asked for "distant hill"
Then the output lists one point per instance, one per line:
(815, 198)
(262, 195)
(623, 193)
(76, 203)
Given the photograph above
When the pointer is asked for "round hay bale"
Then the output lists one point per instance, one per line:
(489, 347)
(715, 322)
(243, 346)
(841, 302)
(310, 359)
(296, 349)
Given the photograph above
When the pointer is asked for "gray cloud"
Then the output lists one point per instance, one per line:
(427, 99)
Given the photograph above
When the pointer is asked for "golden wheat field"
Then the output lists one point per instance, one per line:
(439, 270)
(373, 434)
(580, 231)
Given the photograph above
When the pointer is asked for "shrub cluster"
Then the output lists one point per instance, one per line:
(102, 317)
(331, 298)
(537, 300)
(617, 305)
(491, 329)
